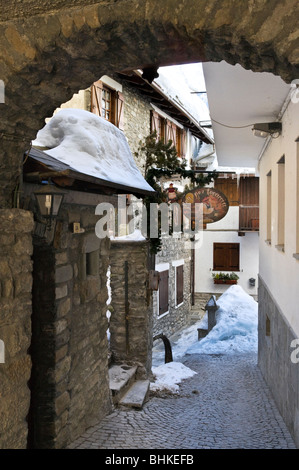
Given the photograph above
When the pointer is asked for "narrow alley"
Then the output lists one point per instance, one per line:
(226, 405)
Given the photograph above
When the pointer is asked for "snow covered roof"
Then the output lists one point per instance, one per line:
(185, 86)
(176, 99)
(90, 145)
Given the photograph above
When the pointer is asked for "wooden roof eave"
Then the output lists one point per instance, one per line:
(38, 176)
(173, 109)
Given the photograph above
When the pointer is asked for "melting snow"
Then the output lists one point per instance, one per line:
(91, 145)
(235, 332)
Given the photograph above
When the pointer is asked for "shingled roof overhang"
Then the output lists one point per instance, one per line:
(165, 103)
(39, 166)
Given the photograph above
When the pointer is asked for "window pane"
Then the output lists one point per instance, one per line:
(226, 257)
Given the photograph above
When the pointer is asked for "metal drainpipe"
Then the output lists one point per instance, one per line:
(127, 305)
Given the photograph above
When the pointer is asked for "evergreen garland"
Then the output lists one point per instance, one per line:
(162, 161)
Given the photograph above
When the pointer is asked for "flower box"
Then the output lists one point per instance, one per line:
(225, 281)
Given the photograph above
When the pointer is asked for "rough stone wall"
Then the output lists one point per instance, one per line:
(136, 120)
(201, 298)
(15, 330)
(70, 388)
(178, 317)
(274, 359)
(131, 328)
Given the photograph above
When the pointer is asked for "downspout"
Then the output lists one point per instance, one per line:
(127, 305)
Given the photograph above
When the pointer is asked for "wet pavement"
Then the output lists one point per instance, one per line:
(226, 405)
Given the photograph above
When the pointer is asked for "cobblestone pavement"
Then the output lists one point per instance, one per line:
(226, 405)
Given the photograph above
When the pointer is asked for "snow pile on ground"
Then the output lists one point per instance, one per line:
(92, 146)
(235, 332)
(236, 325)
(168, 376)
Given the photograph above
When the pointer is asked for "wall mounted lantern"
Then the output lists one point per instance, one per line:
(266, 129)
(49, 200)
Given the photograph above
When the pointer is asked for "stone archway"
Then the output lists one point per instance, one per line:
(49, 50)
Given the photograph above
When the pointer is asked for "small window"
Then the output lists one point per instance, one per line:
(226, 257)
(281, 202)
(92, 263)
(179, 279)
(107, 103)
(269, 207)
(163, 292)
(166, 130)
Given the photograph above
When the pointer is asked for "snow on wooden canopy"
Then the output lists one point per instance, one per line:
(91, 145)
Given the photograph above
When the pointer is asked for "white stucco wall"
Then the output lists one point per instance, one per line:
(248, 260)
(280, 269)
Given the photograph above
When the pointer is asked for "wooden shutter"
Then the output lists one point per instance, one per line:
(170, 132)
(155, 122)
(179, 284)
(229, 187)
(249, 203)
(183, 143)
(226, 257)
(157, 125)
(96, 98)
(163, 292)
(120, 111)
(249, 191)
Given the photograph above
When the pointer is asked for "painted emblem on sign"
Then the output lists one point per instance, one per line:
(215, 203)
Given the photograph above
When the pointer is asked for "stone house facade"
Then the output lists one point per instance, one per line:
(64, 351)
(69, 380)
(279, 266)
(137, 113)
(230, 245)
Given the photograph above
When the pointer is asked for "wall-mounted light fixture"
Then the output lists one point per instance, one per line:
(266, 129)
(49, 200)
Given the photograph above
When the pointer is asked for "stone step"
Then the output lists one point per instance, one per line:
(121, 378)
(136, 395)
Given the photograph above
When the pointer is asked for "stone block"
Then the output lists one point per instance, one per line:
(61, 258)
(8, 288)
(62, 369)
(63, 274)
(16, 220)
(23, 284)
(63, 307)
(90, 243)
(61, 353)
(61, 292)
(6, 239)
(61, 403)
(61, 325)
(23, 246)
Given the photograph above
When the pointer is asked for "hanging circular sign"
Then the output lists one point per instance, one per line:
(215, 203)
